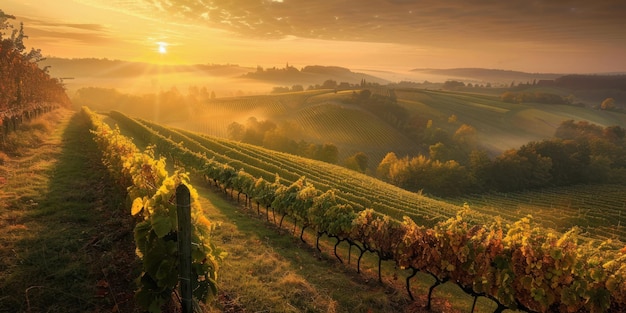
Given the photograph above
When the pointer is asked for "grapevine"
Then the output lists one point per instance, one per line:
(518, 265)
(152, 191)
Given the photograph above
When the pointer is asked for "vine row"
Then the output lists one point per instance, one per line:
(518, 265)
(152, 193)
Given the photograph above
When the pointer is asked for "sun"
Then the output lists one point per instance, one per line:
(162, 47)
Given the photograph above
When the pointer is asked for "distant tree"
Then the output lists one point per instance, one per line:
(382, 171)
(433, 135)
(364, 95)
(452, 85)
(328, 153)
(479, 164)
(464, 142)
(358, 162)
(212, 95)
(236, 131)
(329, 84)
(570, 159)
(540, 166)
(400, 172)
(344, 86)
(440, 152)
(510, 171)
(608, 104)
(277, 140)
(280, 138)
(508, 97)
(297, 88)
(279, 89)
(614, 133)
(445, 179)
(528, 97)
(254, 132)
(465, 136)
(572, 130)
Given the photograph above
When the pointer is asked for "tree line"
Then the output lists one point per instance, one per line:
(579, 153)
(576, 81)
(26, 90)
(327, 84)
(534, 97)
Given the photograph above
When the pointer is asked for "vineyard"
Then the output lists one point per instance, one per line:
(357, 189)
(516, 263)
(223, 111)
(561, 208)
(152, 189)
(353, 130)
(549, 250)
(321, 115)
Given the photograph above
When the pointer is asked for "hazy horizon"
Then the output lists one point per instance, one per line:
(395, 35)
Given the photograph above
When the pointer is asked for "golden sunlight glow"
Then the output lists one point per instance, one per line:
(162, 47)
(404, 35)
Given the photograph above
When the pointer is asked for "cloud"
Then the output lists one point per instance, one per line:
(31, 22)
(44, 35)
(407, 21)
(50, 31)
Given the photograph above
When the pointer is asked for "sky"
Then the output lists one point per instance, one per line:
(552, 36)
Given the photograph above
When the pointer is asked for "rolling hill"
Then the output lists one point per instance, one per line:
(324, 117)
(500, 125)
(556, 208)
(487, 75)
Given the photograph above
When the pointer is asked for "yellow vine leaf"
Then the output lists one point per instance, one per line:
(137, 206)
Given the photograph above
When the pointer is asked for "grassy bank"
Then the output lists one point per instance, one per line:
(268, 269)
(65, 240)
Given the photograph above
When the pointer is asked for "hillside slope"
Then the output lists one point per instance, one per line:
(500, 125)
(324, 116)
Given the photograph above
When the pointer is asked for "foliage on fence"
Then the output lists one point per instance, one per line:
(152, 192)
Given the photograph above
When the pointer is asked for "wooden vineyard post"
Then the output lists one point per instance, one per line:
(183, 207)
